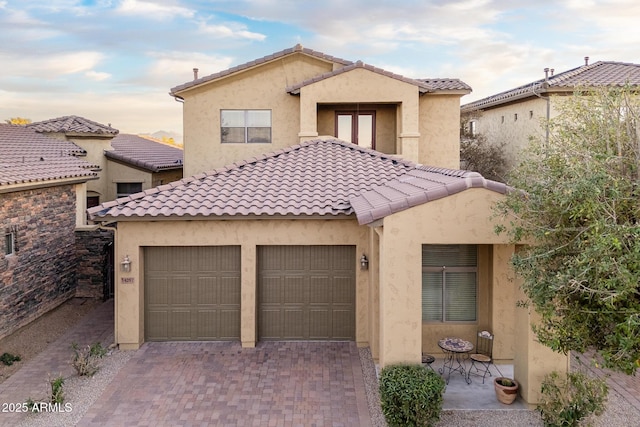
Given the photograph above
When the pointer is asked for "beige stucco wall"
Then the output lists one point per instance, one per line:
(262, 87)
(95, 148)
(133, 236)
(119, 172)
(459, 219)
(440, 131)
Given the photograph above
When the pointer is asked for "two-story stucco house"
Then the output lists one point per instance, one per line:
(512, 117)
(308, 213)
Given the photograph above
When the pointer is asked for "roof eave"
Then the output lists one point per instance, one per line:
(23, 186)
(122, 218)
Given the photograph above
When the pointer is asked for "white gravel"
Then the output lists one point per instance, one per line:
(80, 392)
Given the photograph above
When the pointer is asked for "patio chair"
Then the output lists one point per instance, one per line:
(482, 359)
(427, 360)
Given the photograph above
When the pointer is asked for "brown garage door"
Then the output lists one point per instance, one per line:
(192, 293)
(306, 292)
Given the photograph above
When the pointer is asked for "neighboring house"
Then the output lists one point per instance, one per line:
(43, 185)
(93, 137)
(136, 164)
(513, 116)
(127, 164)
(308, 237)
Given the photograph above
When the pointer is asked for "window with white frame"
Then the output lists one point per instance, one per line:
(9, 243)
(245, 126)
(449, 283)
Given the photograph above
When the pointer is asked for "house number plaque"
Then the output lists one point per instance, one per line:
(127, 280)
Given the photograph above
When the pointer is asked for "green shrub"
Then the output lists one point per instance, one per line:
(8, 358)
(57, 394)
(411, 395)
(566, 400)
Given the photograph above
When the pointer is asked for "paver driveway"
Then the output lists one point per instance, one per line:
(218, 383)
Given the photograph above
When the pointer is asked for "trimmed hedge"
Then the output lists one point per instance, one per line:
(411, 395)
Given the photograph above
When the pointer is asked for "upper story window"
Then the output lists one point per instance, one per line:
(9, 243)
(473, 128)
(245, 126)
(126, 188)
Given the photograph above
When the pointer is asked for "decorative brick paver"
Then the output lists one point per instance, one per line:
(220, 383)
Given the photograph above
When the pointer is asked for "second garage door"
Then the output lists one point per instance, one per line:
(306, 292)
(192, 293)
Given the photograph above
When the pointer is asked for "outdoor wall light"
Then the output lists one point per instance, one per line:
(364, 262)
(125, 265)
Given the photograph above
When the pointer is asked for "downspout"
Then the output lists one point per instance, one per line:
(545, 85)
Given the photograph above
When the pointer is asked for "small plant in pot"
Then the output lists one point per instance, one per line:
(506, 389)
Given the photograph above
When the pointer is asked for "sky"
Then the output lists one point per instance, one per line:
(115, 61)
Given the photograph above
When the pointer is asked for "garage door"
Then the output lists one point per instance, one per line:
(306, 292)
(192, 293)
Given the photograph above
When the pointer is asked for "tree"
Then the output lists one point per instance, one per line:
(579, 205)
(479, 155)
(18, 121)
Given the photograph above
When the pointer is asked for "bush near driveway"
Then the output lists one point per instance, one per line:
(411, 395)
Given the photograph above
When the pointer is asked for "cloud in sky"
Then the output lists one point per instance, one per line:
(116, 60)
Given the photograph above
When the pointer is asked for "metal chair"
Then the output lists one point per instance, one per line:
(483, 355)
(427, 360)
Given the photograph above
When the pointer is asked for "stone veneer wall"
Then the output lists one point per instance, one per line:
(41, 274)
(92, 247)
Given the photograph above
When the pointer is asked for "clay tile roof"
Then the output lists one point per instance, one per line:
(145, 153)
(265, 59)
(447, 84)
(28, 157)
(317, 177)
(73, 124)
(598, 74)
(422, 84)
(420, 185)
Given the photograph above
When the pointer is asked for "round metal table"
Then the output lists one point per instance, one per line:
(455, 350)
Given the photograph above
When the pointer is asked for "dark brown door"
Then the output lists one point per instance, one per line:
(306, 292)
(192, 293)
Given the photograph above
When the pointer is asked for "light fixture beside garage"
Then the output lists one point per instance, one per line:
(364, 262)
(125, 265)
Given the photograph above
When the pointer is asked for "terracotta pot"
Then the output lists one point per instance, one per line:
(506, 394)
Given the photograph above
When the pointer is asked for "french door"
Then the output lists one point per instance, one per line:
(357, 127)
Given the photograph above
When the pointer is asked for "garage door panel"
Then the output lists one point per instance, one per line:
(295, 290)
(320, 290)
(342, 290)
(180, 324)
(271, 290)
(299, 283)
(208, 291)
(229, 293)
(192, 299)
(158, 290)
(157, 324)
(319, 324)
(294, 326)
(343, 322)
(180, 291)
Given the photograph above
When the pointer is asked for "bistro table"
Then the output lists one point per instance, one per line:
(454, 350)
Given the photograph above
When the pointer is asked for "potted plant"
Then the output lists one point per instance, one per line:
(506, 389)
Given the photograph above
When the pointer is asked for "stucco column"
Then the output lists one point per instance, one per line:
(308, 118)
(503, 303)
(409, 129)
(129, 294)
(532, 360)
(248, 296)
(400, 301)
